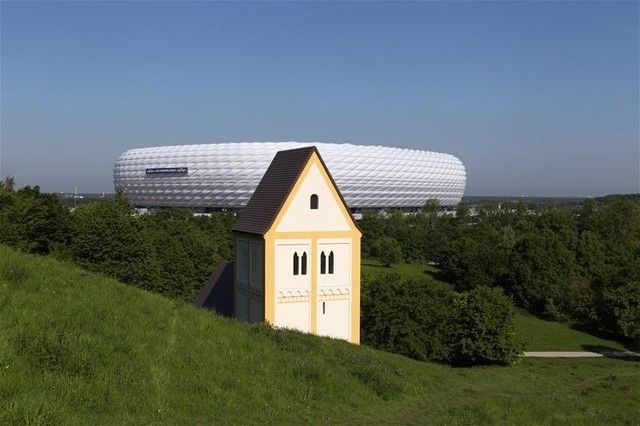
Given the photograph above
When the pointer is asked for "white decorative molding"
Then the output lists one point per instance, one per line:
(293, 295)
(333, 293)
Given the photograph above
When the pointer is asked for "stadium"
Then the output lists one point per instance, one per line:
(208, 177)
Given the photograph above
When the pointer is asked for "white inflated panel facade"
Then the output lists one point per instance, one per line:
(224, 175)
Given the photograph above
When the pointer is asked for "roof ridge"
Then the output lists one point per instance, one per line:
(273, 190)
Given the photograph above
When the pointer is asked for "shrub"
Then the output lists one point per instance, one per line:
(33, 221)
(408, 316)
(110, 240)
(483, 328)
(426, 320)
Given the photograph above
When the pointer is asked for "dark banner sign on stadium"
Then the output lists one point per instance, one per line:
(167, 170)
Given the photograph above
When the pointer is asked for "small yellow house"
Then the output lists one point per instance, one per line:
(297, 250)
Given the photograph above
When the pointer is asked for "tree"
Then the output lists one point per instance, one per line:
(462, 212)
(33, 221)
(590, 254)
(8, 184)
(388, 251)
(185, 253)
(372, 224)
(430, 207)
(109, 239)
(478, 256)
(623, 308)
(540, 268)
(435, 229)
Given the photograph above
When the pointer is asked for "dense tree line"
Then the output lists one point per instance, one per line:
(170, 252)
(577, 262)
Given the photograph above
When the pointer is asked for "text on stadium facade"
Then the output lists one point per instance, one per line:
(167, 170)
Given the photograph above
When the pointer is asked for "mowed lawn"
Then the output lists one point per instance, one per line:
(78, 348)
(545, 335)
(540, 334)
(409, 269)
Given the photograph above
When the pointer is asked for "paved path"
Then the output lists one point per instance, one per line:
(583, 354)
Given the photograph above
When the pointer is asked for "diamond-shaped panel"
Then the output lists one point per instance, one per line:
(224, 175)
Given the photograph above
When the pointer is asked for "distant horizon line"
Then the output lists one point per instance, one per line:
(572, 197)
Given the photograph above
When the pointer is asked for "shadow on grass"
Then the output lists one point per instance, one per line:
(392, 268)
(436, 275)
(591, 330)
(609, 352)
(584, 328)
(374, 265)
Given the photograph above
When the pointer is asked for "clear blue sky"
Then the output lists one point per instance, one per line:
(535, 98)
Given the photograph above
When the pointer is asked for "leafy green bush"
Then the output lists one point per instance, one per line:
(110, 240)
(33, 221)
(408, 316)
(483, 328)
(426, 320)
(170, 252)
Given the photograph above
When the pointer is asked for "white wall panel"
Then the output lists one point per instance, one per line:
(341, 275)
(296, 315)
(284, 278)
(334, 318)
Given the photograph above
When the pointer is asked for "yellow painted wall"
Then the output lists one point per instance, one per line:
(297, 227)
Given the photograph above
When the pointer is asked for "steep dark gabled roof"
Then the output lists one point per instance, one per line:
(274, 189)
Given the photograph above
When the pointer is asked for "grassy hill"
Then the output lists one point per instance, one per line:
(540, 334)
(82, 349)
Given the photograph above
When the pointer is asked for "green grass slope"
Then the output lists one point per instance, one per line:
(546, 335)
(77, 348)
(540, 334)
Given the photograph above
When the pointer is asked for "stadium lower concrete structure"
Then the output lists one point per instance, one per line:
(224, 175)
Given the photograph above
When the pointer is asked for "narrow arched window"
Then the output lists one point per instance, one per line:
(303, 266)
(313, 201)
(331, 262)
(323, 263)
(295, 263)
